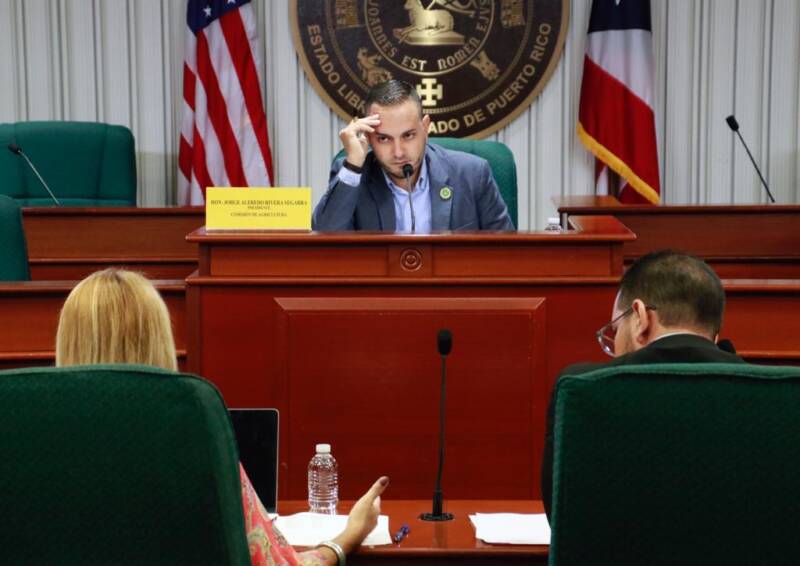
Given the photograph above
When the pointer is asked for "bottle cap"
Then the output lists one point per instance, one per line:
(323, 448)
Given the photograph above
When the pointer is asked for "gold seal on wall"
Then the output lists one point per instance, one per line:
(476, 64)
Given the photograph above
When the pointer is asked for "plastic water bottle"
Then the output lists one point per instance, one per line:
(323, 481)
(553, 225)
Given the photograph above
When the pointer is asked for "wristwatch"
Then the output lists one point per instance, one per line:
(353, 168)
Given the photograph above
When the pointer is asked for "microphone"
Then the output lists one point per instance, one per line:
(408, 170)
(726, 346)
(444, 343)
(734, 125)
(17, 150)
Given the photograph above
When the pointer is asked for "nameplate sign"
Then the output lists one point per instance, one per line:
(272, 208)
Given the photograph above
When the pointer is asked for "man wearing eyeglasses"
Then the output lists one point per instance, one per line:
(668, 310)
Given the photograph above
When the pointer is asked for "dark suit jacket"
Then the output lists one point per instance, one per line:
(680, 348)
(475, 203)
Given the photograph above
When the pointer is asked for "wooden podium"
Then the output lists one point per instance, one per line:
(338, 331)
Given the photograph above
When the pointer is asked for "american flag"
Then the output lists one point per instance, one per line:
(616, 121)
(224, 139)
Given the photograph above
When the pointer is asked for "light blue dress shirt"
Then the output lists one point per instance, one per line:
(420, 197)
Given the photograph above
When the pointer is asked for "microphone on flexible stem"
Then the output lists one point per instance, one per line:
(17, 150)
(444, 343)
(734, 125)
(408, 170)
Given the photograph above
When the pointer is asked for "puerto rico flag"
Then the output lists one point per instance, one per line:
(224, 140)
(616, 121)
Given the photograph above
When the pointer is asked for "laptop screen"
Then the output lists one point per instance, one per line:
(256, 433)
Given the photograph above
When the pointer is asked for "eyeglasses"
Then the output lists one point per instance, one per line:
(607, 334)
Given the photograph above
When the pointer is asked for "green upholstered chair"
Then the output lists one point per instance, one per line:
(500, 159)
(84, 163)
(677, 464)
(13, 250)
(117, 465)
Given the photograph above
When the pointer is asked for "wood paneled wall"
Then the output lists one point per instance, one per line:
(119, 61)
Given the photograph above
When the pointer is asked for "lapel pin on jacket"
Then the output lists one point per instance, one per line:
(445, 193)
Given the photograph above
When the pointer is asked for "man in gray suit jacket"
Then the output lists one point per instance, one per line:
(405, 184)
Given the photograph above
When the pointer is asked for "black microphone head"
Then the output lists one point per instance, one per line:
(14, 148)
(726, 346)
(444, 342)
(408, 170)
(732, 123)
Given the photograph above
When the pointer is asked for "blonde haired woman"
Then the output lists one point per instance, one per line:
(117, 316)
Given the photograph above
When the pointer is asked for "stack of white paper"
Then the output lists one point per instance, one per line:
(310, 529)
(511, 528)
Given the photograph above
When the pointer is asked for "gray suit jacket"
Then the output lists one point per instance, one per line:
(475, 203)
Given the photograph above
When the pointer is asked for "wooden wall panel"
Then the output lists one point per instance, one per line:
(380, 411)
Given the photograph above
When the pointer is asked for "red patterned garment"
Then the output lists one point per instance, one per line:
(267, 545)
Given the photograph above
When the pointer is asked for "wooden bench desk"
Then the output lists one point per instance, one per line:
(444, 543)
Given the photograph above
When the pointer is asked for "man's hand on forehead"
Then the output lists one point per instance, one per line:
(354, 138)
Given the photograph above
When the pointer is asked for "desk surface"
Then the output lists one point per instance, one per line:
(590, 204)
(441, 543)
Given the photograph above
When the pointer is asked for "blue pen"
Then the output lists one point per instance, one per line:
(402, 533)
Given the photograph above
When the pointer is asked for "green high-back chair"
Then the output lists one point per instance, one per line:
(13, 249)
(677, 464)
(500, 159)
(117, 465)
(84, 163)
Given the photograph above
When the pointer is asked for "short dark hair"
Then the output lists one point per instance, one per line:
(682, 287)
(391, 93)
